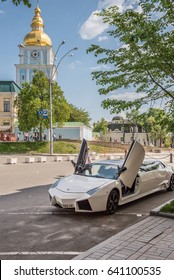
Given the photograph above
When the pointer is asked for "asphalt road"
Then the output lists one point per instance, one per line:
(32, 229)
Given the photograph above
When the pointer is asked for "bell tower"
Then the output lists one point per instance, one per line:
(36, 52)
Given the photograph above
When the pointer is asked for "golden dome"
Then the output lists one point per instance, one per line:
(37, 36)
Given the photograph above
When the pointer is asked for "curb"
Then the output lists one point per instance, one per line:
(157, 212)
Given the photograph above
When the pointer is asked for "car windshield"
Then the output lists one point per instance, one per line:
(99, 170)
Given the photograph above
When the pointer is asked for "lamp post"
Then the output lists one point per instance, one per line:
(50, 78)
(50, 91)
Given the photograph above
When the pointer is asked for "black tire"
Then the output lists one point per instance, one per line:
(171, 184)
(112, 202)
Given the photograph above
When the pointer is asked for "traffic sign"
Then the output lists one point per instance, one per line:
(39, 113)
(43, 113)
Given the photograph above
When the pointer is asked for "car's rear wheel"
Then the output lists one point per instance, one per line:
(112, 202)
(171, 184)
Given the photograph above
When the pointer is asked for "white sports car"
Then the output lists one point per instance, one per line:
(103, 185)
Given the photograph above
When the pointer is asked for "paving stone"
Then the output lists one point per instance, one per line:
(165, 254)
(150, 239)
(171, 256)
(152, 257)
(115, 257)
(134, 256)
(126, 252)
(145, 248)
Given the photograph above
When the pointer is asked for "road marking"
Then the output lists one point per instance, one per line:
(133, 213)
(28, 213)
(33, 213)
(66, 212)
(40, 253)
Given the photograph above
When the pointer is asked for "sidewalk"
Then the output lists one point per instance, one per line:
(152, 238)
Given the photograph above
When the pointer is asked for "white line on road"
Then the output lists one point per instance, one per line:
(58, 213)
(35, 213)
(40, 253)
(28, 213)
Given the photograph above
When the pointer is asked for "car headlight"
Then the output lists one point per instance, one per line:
(55, 184)
(91, 192)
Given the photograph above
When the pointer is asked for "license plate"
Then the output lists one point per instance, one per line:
(68, 206)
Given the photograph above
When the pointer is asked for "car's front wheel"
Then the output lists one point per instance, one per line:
(171, 184)
(112, 202)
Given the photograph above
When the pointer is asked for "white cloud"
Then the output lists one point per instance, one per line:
(128, 96)
(102, 38)
(99, 67)
(94, 25)
(74, 64)
(1, 12)
(104, 4)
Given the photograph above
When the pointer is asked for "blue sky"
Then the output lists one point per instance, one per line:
(70, 20)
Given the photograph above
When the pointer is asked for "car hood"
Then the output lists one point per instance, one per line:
(80, 184)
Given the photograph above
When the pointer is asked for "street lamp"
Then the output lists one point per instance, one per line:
(50, 79)
(50, 91)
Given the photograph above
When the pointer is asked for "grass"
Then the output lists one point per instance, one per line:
(168, 208)
(60, 147)
(21, 147)
(37, 147)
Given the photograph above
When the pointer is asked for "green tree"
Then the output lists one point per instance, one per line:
(133, 119)
(143, 122)
(157, 123)
(79, 115)
(34, 97)
(100, 126)
(171, 118)
(18, 2)
(144, 60)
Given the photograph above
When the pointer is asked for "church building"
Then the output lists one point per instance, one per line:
(36, 52)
